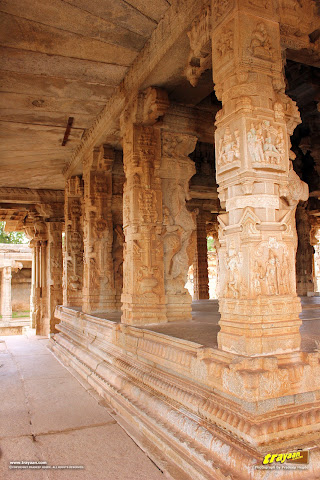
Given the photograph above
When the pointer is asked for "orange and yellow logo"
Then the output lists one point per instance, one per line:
(298, 457)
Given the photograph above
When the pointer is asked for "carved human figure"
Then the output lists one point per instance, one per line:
(272, 274)
(260, 43)
(255, 141)
(229, 149)
(233, 276)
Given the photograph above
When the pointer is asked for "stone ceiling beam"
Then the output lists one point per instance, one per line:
(175, 22)
(30, 196)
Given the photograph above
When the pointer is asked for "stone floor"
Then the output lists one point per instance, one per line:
(46, 415)
(203, 327)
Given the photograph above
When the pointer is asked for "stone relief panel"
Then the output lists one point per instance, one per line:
(223, 45)
(272, 269)
(220, 8)
(260, 44)
(234, 282)
(266, 145)
(228, 150)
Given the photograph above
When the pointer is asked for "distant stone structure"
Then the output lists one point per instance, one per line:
(15, 267)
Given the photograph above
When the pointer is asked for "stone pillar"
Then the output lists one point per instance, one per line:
(73, 248)
(257, 185)
(179, 225)
(143, 294)
(98, 279)
(54, 272)
(42, 328)
(305, 251)
(6, 303)
(200, 264)
(35, 290)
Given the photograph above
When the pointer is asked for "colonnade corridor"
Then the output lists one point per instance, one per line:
(49, 418)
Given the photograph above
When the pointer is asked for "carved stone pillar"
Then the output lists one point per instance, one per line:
(35, 289)
(42, 328)
(6, 303)
(305, 251)
(200, 264)
(212, 230)
(73, 248)
(98, 279)
(143, 294)
(179, 225)
(257, 186)
(54, 272)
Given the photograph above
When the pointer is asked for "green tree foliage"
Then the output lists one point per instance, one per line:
(11, 237)
(210, 244)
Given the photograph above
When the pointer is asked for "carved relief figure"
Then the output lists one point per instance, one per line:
(225, 43)
(179, 225)
(266, 143)
(260, 45)
(272, 274)
(235, 287)
(271, 269)
(229, 147)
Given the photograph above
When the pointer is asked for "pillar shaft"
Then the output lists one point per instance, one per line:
(54, 272)
(6, 302)
(143, 294)
(305, 251)
(73, 248)
(257, 186)
(98, 280)
(200, 275)
(179, 225)
(33, 297)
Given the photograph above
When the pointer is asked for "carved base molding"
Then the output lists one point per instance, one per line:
(177, 396)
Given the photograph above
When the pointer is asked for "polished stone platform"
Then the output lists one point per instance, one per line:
(203, 328)
(187, 401)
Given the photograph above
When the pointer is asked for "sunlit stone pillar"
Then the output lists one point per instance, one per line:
(200, 276)
(54, 272)
(73, 248)
(143, 294)
(257, 185)
(98, 279)
(6, 302)
(179, 225)
(304, 258)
